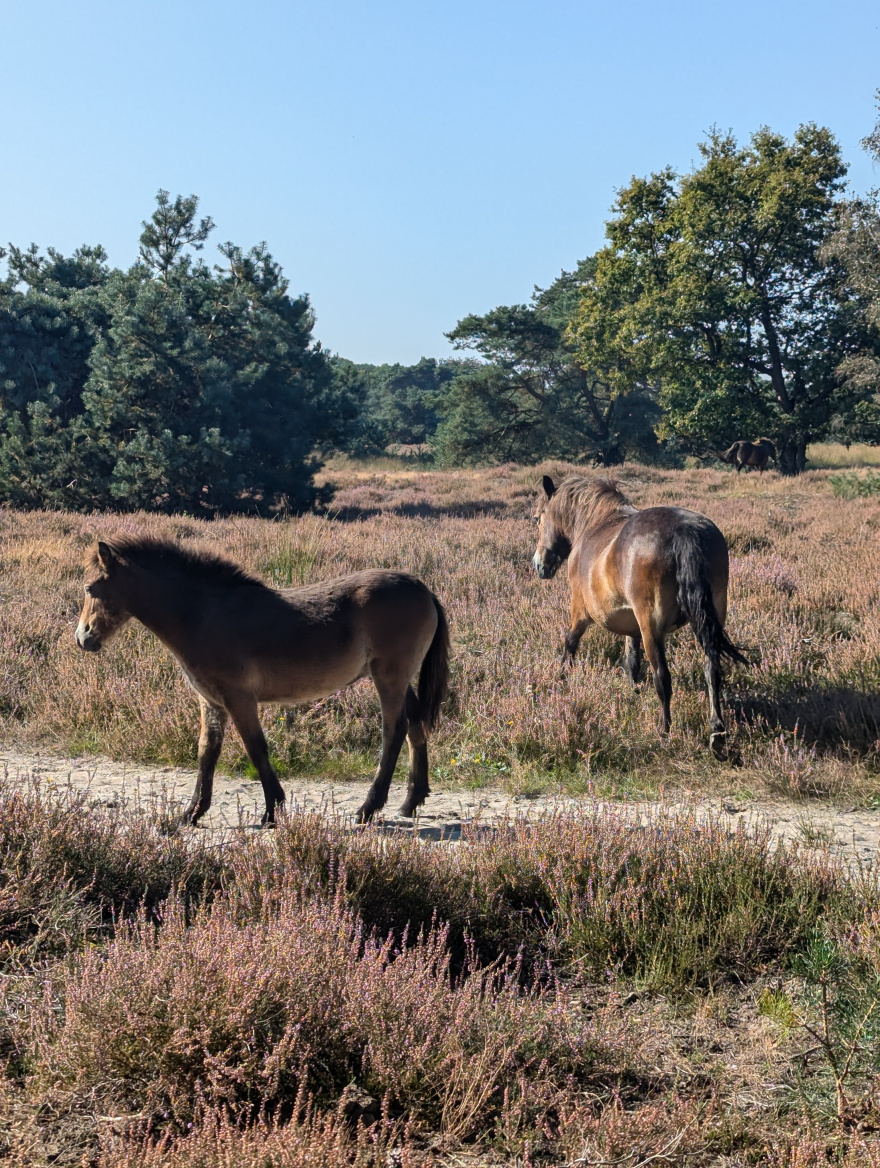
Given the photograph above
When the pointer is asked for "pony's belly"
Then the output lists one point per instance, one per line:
(304, 685)
(621, 621)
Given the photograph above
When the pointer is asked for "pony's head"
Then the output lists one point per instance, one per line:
(102, 614)
(553, 543)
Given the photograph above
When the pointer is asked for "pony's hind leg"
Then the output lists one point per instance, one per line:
(246, 720)
(655, 651)
(394, 729)
(632, 659)
(417, 789)
(213, 727)
(717, 729)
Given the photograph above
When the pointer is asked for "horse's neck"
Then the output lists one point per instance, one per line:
(158, 603)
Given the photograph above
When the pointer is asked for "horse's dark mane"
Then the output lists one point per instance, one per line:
(583, 501)
(195, 564)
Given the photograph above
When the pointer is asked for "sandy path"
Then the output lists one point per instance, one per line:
(853, 833)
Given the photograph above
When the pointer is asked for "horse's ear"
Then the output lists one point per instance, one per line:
(549, 486)
(106, 558)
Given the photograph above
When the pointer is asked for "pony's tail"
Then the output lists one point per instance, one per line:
(434, 673)
(695, 595)
(728, 455)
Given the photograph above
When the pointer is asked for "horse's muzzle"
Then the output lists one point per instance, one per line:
(548, 566)
(87, 640)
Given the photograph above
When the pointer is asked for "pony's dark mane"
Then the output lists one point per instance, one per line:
(195, 564)
(583, 501)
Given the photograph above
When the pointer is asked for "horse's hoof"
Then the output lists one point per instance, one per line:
(718, 744)
(407, 809)
(365, 814)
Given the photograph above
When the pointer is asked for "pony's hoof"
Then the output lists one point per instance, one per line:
(407, 809)
(718, 744)
(365, 813)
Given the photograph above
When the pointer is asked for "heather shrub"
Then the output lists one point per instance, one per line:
(307, 1140)
(246, 1016)
(68, 871)
(666, 900)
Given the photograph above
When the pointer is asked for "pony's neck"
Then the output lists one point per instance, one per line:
(160, 603)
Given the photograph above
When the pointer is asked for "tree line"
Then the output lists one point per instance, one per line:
(739, 300)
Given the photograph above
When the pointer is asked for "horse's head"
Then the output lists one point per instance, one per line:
(103, 614)
(553, 544)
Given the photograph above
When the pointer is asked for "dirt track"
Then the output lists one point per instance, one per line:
(848, 832)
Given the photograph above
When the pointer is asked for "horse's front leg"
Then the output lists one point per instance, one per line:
(580, 622)
(213, 727)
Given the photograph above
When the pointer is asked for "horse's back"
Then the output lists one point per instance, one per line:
(646, 556)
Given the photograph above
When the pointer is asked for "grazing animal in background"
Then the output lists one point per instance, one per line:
(240, 643)
(749, 454)
(640, 574)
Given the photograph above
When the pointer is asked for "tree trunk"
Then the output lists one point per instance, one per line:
(792, 456)
(612, 455)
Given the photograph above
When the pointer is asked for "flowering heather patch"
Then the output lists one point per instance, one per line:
(803, 601)
(322, 996)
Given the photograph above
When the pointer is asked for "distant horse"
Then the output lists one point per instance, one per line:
(640, 574)
(240, 642)
(749, 454)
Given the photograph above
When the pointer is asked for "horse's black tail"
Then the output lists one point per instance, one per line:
(434, 673)
(690, 546)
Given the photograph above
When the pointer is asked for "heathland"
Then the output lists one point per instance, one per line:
(580, 990)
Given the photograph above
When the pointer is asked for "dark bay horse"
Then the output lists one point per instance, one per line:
(640, 574)
(240, 642)
(749, 454)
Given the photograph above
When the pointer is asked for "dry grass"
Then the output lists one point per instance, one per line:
(803, 602)
(835, 456)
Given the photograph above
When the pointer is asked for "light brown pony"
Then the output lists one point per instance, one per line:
(640, 574)
(240, 642)
(749, 454)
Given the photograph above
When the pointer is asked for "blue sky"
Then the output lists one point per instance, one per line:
(407, 162)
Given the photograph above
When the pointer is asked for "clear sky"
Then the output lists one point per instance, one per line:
(407, 161)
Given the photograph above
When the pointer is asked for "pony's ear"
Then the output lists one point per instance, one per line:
(549, 486)
(106, 558)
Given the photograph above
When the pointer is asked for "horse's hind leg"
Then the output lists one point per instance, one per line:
(246, 720)
(213, 727)
(655, 651)
(392, 697)
(632, 660)
(417, 789)
(717, 730)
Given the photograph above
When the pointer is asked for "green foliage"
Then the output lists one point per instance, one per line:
(401, 405)
(856, 245)
(836, 1006)
(848, 485)
(171, 386)
(714, 288)
(531, 397)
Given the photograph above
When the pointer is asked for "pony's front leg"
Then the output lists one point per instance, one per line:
(213, 727)
(580, 622)
(246, 719)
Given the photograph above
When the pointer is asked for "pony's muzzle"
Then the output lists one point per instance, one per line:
(548, 566)
(86, 639)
